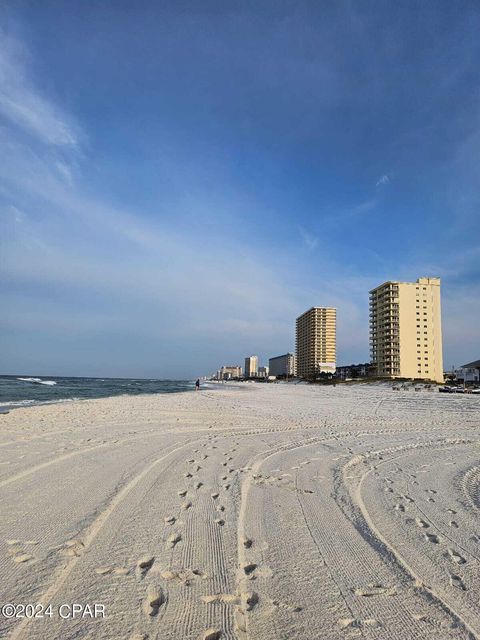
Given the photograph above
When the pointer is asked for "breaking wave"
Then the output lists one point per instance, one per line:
(50, 383)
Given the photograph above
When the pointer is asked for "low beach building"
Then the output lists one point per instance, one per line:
(353, 371)
(228, 372)
(406, 330)
(284, 366)
(469, 372)
(316, 342)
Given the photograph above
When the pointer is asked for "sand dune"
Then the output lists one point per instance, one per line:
(266, 512)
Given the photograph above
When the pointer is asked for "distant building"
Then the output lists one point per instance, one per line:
(229, 372)
(251, 367)
(283, 366)
(316, 342)
(263, 372)
(406, 330)
(353, 371)
(469, 372)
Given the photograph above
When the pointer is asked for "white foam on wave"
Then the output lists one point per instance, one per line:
(27, 403)
(17, 403)
(50, 383)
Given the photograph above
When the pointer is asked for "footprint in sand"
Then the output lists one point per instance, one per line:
(400, 507)
(182, 493)
(226, 487)
(184, 576)
(431, 537)
(197, 485)
(421, 523)
(457, 582)
(22, 557)
(249, 600)
(169, 519)
(408, 499)
(247, 543)
(211, 634)
(73, 548)
(103, 571)
(187, 475)
(220, 522)
(282, 605)
(452, 511)
(186, 505)
(456, 557)
(154, 600)
(173, 539)
(453, 524)
(249, 568)
(145, 564)
(220, 508)
(214, 495)
(348, 623)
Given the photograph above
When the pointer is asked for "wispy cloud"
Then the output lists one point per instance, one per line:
(383, 180)
(309, 240)
(363, 207)
(175, 283)
(22, 105)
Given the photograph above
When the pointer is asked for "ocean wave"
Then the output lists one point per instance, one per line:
(50, 383)
(17, 403)
(28, 403)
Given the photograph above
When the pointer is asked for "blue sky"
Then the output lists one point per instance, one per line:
(180, 180)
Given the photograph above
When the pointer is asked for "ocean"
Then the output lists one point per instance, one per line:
(24, 391)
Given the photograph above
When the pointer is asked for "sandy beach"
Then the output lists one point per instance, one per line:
(267, 512)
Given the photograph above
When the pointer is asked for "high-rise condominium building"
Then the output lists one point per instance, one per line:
(406, 330)
(316, 342)
(251, 367)
(283, 365)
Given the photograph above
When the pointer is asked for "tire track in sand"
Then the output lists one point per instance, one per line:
(92, 532)
(67, 456)
(242, 536)
(358, 499)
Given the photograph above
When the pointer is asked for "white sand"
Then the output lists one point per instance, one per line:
(268, 512)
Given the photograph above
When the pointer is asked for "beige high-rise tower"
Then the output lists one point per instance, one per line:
(316, 341)
(251, 366)
(406, 330)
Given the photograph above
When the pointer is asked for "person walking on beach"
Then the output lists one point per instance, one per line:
(197, 384)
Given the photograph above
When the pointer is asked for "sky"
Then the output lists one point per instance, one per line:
(180, 180)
